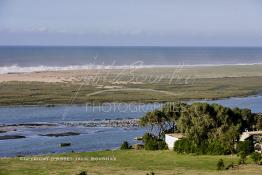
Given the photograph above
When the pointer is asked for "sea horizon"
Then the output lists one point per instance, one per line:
(58, 58)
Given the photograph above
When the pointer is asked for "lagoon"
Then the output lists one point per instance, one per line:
(90, 138)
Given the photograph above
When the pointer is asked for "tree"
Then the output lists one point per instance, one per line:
(155, 119)
(209, 127)
(163, 120)
(125, 145)
(258, 122)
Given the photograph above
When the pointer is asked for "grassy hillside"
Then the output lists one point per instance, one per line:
(126, 162)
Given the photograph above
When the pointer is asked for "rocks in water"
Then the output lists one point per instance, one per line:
(117, 123)
(61, 134)
(7, 137)
(50, 105)
(65, 144)
(29, 125)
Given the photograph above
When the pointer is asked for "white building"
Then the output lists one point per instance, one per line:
(170, 139)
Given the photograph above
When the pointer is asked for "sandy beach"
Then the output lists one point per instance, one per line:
(83, 74)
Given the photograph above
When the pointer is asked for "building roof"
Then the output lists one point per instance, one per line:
(176, 135)
(246, 135)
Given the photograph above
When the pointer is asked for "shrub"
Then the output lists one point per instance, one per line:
(189, 146)
(125, 145)
(185, 146)
(243, 157)
(220, 164)
(162, 145)
(151, 142)
(151, 173)
(256, 157)
(217, 148)
(83, 173)
(247, 147)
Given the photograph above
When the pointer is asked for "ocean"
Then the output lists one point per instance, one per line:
(36, 58)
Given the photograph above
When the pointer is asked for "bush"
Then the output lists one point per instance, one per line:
(188, 146)
(220, 164)
(247, 147)
(185, 146)
(125, 145)
(151, 142)
(256, 157)
(243, 157)
(151, 173)
(83, 173)
(217, 148)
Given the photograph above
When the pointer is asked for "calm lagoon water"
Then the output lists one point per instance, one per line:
(90, 139)
(253, 102)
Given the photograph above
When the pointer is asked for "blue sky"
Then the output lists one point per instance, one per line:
(131, 22)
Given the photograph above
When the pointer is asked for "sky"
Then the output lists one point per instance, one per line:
(131, 22)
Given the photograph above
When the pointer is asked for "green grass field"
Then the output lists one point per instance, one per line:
(126, 162)
(39, 93)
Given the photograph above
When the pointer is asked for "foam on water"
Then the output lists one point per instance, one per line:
(19, 69)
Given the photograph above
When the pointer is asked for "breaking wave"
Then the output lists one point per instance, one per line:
(19, 69)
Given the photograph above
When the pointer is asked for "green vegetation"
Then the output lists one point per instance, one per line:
(152, 142)
(41, 93)
(188, 146)
(220, 164)
(242, 157)
(126, 162)
(256, 157)
(207, 129)
(83, 173)
(125, 145)
(246, 146)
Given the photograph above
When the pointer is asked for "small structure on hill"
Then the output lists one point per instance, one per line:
(257, 136)
(170, 139)
(246, 135)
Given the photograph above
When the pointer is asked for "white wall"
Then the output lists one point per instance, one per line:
(170, 141)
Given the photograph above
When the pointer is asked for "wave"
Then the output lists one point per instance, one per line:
(19, 69)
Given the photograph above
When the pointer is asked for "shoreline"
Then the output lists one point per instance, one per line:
(16, 69)
(133, 103)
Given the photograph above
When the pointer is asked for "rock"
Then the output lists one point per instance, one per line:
(65, 144)
(50, 105)
(61, 134)
(7, 137)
